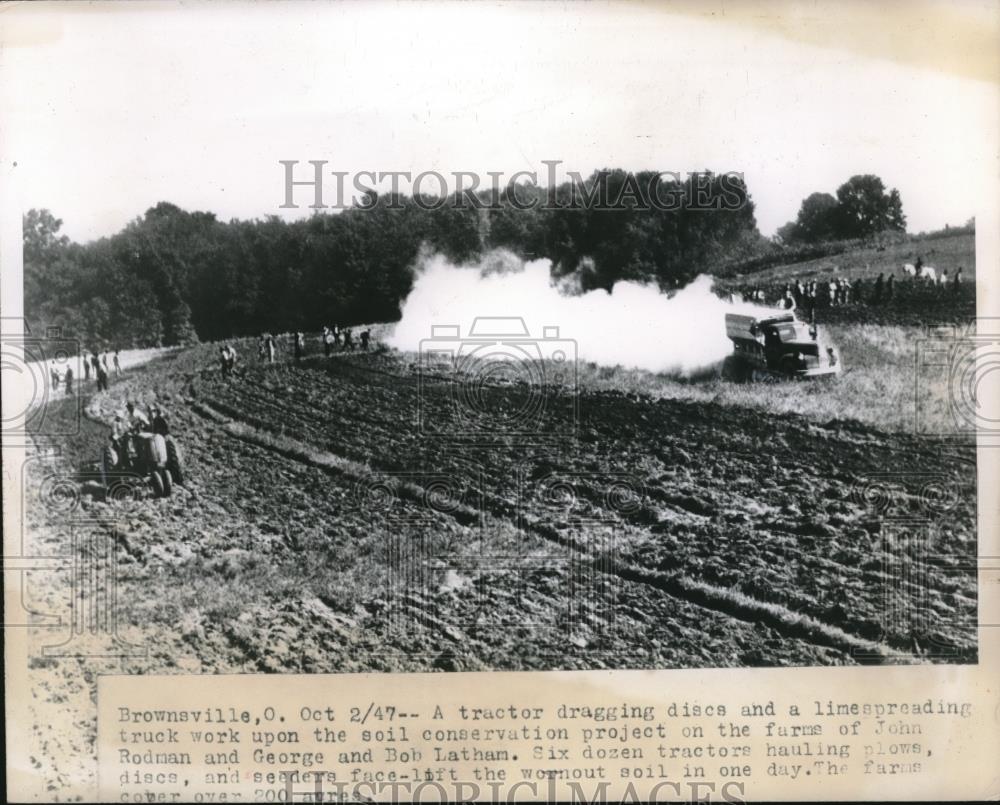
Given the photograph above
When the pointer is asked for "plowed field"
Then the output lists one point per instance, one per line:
(353, 513)
(349, 513)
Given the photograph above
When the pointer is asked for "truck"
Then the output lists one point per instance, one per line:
(769, 347)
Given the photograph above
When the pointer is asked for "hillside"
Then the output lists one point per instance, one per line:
(948, 252)
(915, 303)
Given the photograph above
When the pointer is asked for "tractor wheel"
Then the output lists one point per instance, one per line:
(174, 462)
(157, 483)
(168, 482)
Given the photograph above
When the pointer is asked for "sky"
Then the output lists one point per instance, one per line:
(107, 109)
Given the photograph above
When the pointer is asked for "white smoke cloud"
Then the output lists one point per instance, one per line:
(635, 326)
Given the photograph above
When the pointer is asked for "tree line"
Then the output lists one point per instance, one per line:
(177, 277)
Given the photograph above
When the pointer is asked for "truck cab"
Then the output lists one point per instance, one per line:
(777, 346)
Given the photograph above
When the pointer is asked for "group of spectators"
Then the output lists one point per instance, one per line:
(93, 364)
(331, 339)
(806, 297)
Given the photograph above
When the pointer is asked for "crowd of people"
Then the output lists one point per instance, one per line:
(840, 291)
(331, 339)
(94, 365)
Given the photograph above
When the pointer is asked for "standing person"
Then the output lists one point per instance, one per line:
(95, 364)
(86, 365)
(68, 380)
(227, 359)
(102, 378)
(53, 376)
(118, 365)
(943, 279)
(888, 288)
(348, 339)
(104, 363)
(877, 295)
(224, 361)
(958, 279)
(298, 346)
(365, 337)
(327, 341)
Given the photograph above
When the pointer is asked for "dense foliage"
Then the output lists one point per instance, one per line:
(863, 208)
(174, 277)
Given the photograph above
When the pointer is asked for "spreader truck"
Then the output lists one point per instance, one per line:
(777, 347)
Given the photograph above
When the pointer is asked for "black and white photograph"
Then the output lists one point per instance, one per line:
(347, 338)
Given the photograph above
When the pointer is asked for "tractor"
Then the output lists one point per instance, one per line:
(151, 456)
(776, 347)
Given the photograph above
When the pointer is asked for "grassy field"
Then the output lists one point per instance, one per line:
(878, 387)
